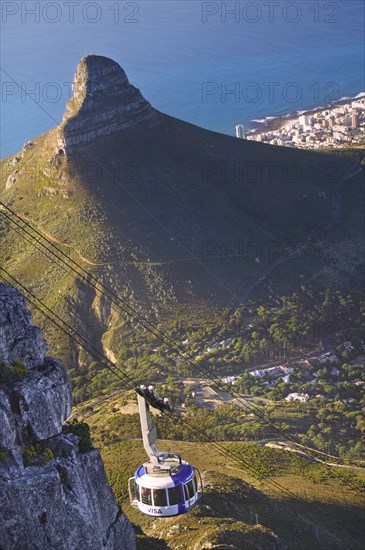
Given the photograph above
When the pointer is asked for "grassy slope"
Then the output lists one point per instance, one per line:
(126, 225)
(66, 214)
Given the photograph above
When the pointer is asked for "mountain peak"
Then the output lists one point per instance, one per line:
(103, 103)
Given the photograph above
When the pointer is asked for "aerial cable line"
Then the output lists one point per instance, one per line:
(97, 354)
(165, 339)
(202, 436)
(139, 318)
(88, 277)
(126, 379)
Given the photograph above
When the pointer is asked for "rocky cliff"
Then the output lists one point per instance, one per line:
(103, 103)
(54, 492)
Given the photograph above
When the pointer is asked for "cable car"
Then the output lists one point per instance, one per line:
(166, 485)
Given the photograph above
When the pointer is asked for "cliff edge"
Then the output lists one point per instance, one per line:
(54, 493)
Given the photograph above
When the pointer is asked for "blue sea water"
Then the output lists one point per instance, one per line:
(191, 59)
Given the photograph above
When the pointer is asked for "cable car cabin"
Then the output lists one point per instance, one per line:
(165, 490)
(166, 485)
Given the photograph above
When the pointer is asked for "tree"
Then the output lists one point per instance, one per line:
(360, 424)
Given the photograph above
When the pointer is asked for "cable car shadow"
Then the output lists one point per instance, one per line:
(235, 501)
(322, 524)
(236, 513)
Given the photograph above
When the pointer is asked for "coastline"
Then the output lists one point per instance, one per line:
(273, 122)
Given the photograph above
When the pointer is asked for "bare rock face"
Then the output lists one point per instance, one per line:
(64, 505)
(35, 407)
(104, 102)
(53, 489)
(19, 338)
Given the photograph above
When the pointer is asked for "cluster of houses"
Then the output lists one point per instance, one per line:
(270, 376)
(230, 380)
(217, 345)
(324, 358)
(330, 356)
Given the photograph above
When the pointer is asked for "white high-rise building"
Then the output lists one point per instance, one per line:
(355, 120)
(359, 103)
(240, 131)
(306, 121)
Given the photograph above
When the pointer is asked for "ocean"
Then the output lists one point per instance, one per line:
(214, 64)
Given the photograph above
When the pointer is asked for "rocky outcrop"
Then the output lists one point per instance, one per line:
(64, 505)
(54, 493)
(103, 103)
(35, 408)
(19, 338)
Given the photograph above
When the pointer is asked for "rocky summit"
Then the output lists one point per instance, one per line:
(103, 103)
(53, 489)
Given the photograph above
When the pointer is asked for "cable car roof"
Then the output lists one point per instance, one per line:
(166, 479)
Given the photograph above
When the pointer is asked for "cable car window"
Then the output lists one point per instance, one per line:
(191, 489)
(159, 497)
(136, 491)
(146, 495)
(196, 483)
(174, 495)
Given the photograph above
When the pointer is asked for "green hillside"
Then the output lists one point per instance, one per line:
(176, 245)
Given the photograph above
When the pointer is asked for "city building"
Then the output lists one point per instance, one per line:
(355, 120)
(302, 397)
(240, 131)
